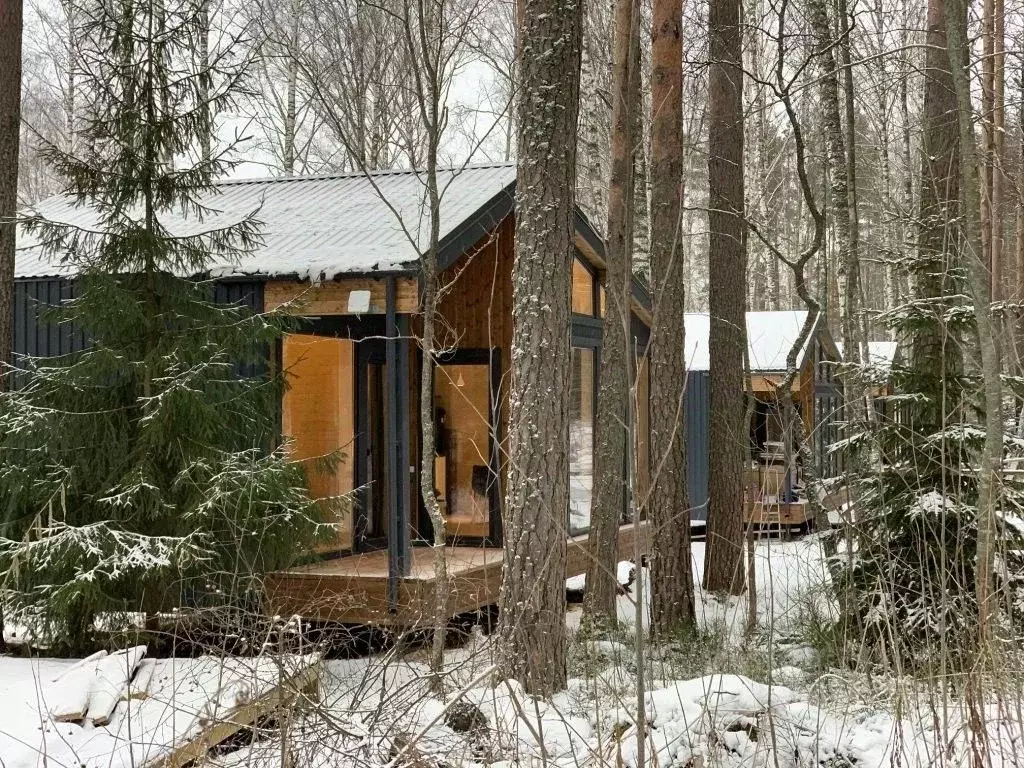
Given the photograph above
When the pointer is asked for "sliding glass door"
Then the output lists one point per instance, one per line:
(464, 448)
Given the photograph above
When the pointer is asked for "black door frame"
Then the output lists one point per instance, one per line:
(368, 352)
(368, 333)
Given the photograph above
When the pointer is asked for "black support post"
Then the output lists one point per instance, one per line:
(397, 363)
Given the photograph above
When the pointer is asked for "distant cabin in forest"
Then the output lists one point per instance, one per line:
(816, 392)
(883, 356)
(346, 263)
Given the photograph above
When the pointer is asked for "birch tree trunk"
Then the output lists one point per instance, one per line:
(595, 120)
(531, 626)
(998, 143)
(839, 205)
(727, 266)
(669, 506)
(616, 372)
(980, 287)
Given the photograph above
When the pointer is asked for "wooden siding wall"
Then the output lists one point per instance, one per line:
(476, 313)
(332, 298)
(478, 308)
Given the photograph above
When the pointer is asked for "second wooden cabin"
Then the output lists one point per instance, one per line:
(773, 491)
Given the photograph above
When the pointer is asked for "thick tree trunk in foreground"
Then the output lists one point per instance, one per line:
(531, 628)
(723, 564)
(611, 440)
(10, 133)
(668, 506)
(10, 128)
(980, 286)
(939, 206)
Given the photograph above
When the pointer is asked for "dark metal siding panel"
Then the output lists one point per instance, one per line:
(640, 332)
(586, 331)
(246, 292)
(33, 335)
(698, 411)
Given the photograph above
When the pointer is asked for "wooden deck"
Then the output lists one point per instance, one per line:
(354, 589)
(774, 513)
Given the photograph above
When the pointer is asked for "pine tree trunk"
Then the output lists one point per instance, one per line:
(10, 134)
(616, 373)
(669, 506)
(531, 627)
(908, 171)
(10, 128)
(727, 265)
(978, 276)
(939, 204)
(1019, 230)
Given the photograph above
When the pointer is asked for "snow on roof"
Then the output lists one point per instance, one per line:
(770, 335)
(881, 354)
(315, 226)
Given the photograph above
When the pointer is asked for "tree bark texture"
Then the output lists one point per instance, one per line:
(668, 503)
(613, 430)
(531, 627)
(938, 233)
(10, 134)
(595, 121)
(723, 564)
(978, 278)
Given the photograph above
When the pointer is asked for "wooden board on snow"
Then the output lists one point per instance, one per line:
(291, 688)
(139, 686)
(67, 698)
(113, 674)
(192, 703)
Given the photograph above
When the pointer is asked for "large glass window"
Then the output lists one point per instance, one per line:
(317, 414)
(581, 441)
(462, 455)
(582, 289)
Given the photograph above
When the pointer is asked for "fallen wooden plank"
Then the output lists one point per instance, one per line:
(67, 700)
(113, 674)
(79, 664)
(138, 688)
(289, 691)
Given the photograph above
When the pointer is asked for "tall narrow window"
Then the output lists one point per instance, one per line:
(317, 414)
(581, 441)
(582, 289)
(462, 455)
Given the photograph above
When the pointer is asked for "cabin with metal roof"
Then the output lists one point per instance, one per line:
(773, 494)
(342, 253)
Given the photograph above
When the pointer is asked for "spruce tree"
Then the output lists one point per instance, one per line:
(910, 580)
(141, 474)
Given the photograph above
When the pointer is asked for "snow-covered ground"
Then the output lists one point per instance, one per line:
(733, 699)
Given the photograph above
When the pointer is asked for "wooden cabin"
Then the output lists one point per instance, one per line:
(347, 263)
(882, 358)
(772, 489)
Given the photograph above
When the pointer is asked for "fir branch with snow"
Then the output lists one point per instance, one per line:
(141, 474)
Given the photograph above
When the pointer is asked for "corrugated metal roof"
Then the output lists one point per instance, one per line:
(769, 338)
(314, 226)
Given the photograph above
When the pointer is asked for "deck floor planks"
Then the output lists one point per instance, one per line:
(353, 589)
